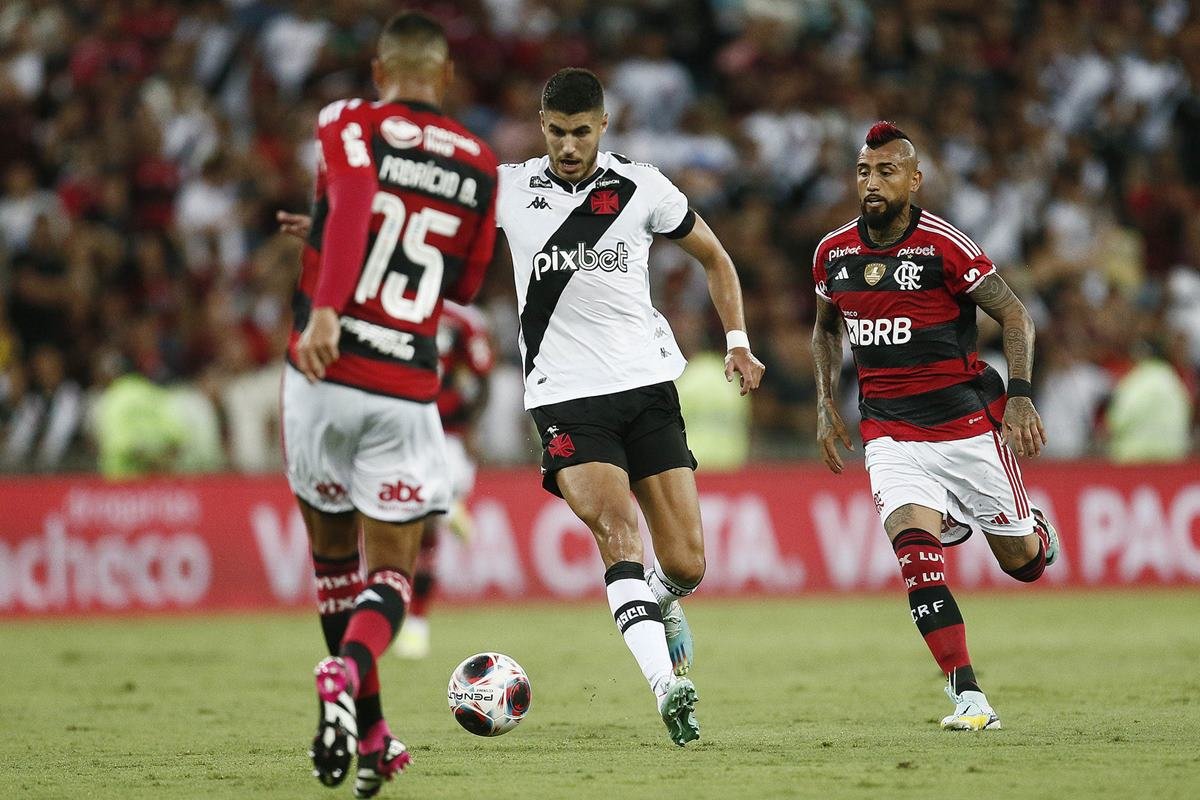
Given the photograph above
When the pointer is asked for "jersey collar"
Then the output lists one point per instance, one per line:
(865, 235)
(602, 161)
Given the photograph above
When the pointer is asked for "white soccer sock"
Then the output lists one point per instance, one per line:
(665, 590)
(640, 621)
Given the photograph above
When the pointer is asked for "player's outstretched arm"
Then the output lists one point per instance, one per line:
(726, 292)
(1022, 425)
(827, 363)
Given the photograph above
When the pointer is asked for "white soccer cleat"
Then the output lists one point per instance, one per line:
(679, 639)
(413, 640)
(972, 712)
(1048, 535)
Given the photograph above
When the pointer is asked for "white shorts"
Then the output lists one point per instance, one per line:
(348, 449)
(461, 468)
(976, 481)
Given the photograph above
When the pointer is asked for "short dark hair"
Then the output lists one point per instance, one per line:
(883, 132)
(573, 91)
(413, 26)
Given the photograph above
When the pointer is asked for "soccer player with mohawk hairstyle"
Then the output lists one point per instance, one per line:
(939, 425)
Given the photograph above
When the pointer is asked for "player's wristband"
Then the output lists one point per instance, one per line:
(736, 339)
(1019, 387)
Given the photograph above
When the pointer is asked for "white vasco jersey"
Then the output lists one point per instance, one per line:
(579, 255)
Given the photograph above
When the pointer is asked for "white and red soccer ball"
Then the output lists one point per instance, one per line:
(489, 694)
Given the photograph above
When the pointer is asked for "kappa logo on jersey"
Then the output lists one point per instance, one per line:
(538, 182)
(874, 272)
(581, 258)
(908, 275)
(401, 133)
(606, 202)
(400, 492)
(561, 445)
(867, 332)
(539, 203)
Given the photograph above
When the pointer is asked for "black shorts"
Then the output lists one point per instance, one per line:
(639, 430)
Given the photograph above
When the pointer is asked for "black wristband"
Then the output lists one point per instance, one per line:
(1019, 387)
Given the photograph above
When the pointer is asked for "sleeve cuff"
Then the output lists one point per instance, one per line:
(684, 227)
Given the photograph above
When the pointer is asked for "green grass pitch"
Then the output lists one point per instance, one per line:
(823, 698)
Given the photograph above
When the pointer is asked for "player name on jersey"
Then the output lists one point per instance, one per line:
(429, 187)
(912, 330)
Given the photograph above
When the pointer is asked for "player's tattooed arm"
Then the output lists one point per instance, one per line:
(995, 297)
(725, 289)
(827, 363)
(1022, 424)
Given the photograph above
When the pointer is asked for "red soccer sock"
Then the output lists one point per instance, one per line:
(377, 617)
(933, 608)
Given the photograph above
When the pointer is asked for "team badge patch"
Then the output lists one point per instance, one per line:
(561, 446)
(606, 202)
(874, 272)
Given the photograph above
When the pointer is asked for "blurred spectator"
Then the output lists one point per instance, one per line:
(45, 417)
(1150, 414)
(716, 416)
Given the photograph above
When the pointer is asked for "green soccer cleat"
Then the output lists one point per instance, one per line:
(679, 639)
(678, 710)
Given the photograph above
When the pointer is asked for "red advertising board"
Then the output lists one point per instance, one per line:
(71, 545)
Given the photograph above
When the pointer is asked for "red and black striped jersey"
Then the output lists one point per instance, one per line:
(403, 217)
(912, 330)
(466, 357)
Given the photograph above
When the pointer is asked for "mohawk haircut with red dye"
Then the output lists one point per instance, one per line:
(883, 132)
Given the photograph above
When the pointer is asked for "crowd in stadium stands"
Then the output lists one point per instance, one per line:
(146, 144)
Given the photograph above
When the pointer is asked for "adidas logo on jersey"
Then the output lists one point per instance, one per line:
(538, 202)
(581, 258)
(842, 275)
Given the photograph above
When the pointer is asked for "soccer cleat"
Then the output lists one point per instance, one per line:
(380, 765)
(413, 640)
(1047, 534)
(971, 713)
(337, 729)
(678, 710)
(679, 639)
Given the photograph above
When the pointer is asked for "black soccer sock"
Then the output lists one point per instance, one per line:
(338, 583)
(962, 679)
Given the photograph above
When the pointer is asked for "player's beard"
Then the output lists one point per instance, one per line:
(884, 217)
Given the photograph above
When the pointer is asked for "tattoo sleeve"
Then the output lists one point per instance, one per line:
(827, 350)
(995, 297)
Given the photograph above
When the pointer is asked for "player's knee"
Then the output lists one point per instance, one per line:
(684, 568)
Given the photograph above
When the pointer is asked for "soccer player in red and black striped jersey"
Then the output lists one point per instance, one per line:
(404, 217)
(939, 425)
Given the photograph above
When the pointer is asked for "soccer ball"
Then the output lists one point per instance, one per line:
(489, 694)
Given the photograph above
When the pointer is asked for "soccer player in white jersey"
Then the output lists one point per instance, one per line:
(600, 363)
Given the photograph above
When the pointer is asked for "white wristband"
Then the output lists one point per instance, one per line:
(736, 339)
